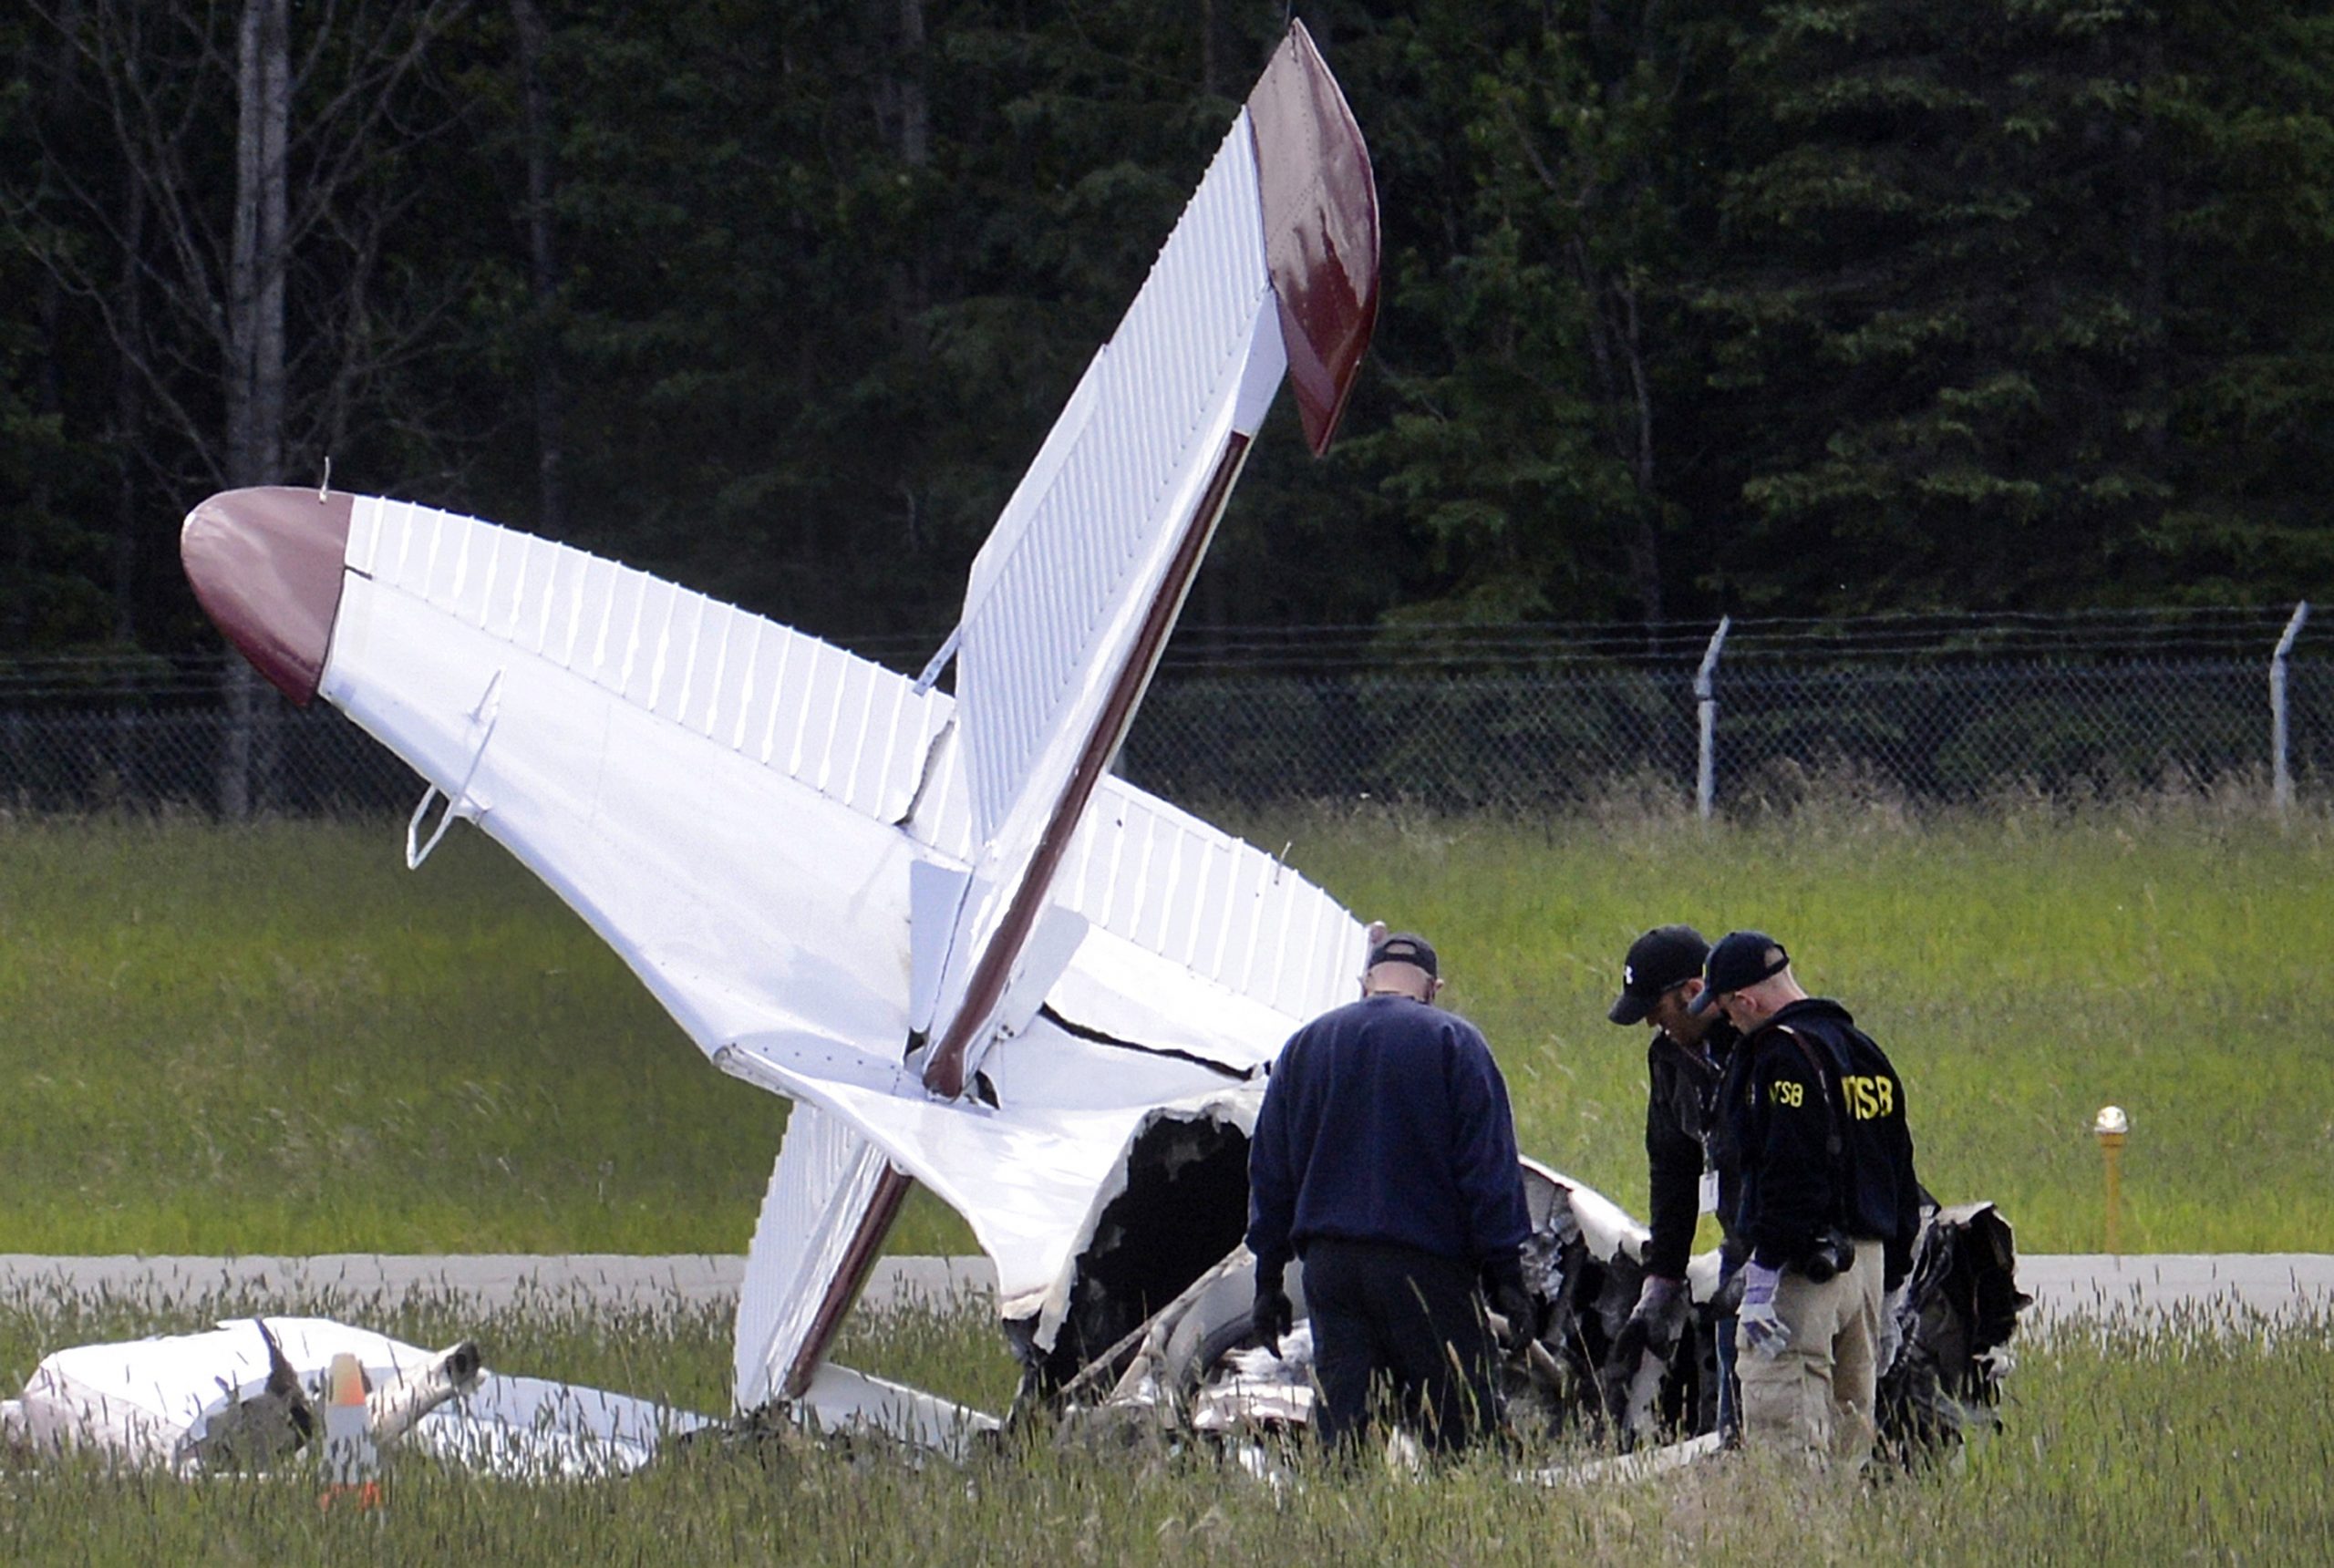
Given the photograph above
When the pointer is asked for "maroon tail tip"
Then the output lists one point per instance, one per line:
(265, 565)
(1320, 205)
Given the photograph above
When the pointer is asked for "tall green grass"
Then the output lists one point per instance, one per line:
(2022, 968)
(276, 1039)
(2207, 1437)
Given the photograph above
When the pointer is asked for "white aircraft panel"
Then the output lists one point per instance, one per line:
(1048, 592)
(824, 1177)
(746, 901)
(779, 654)
(710, 689)
(1029, 1178)
(1121, 990)
(840, 1399)
(678, 641)
(609, 597)
(845, 726)
(1282, 941)
(649, 641)
(943, 812)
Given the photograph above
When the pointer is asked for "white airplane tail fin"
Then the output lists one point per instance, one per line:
(1070, 604)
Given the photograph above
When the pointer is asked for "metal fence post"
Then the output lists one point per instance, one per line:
(1706, 709)
(2281, 774)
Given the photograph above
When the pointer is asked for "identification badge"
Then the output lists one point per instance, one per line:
(1710, 1191)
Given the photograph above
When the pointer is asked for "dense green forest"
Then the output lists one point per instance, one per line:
(1797, 308)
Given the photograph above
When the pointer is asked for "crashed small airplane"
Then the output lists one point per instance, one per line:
(968, 955)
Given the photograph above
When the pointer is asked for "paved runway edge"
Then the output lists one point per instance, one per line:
(490, 1280)
(2066, 1287)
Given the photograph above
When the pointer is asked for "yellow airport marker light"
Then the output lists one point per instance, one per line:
(2111, 1125)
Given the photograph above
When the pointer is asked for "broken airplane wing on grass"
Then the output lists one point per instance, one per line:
(969, 956)
(249, 1395)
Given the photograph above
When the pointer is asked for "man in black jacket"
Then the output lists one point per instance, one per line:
(1385, 1157)
(1687, 1175)
(1830, 1205)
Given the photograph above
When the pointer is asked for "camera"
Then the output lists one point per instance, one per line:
(1831, 1254)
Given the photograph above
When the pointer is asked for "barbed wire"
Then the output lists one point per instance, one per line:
(2162, 633)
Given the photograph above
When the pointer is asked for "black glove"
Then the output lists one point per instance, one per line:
(1650, 1325)
(1504, 1289)
(1513, 1302)
(1271, 1316)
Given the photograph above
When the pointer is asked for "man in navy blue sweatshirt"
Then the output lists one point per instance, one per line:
(1384, 1158)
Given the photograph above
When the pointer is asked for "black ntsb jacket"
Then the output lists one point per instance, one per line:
(1680, 1121)
(1795, 1181)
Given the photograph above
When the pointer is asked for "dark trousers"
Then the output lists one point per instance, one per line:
(1394, 1323)
(1729, 1392)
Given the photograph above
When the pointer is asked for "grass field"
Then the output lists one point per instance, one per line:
(275, 1039)
(2022, 968)
(2202, 1439)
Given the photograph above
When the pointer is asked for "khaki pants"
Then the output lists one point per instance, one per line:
(1814, 1397)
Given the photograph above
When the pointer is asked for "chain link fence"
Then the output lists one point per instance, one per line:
(311, 763)
(1933, 710)
(1469, 742)
(1936, 710)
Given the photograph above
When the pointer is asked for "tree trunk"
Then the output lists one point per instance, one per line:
(915, 119)
(1624, 410)
(48, 400)
(1644, 546)
(542, 269)
(901, 101)
(2154, 246)
(128, 399)
(255, 331)
(56, 72)
(256, 268)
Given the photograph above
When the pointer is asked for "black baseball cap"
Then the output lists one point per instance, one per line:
(1740, 958)
(1403, 947)
(1658, 960)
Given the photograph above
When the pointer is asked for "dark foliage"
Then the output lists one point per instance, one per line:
(1807, 308)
